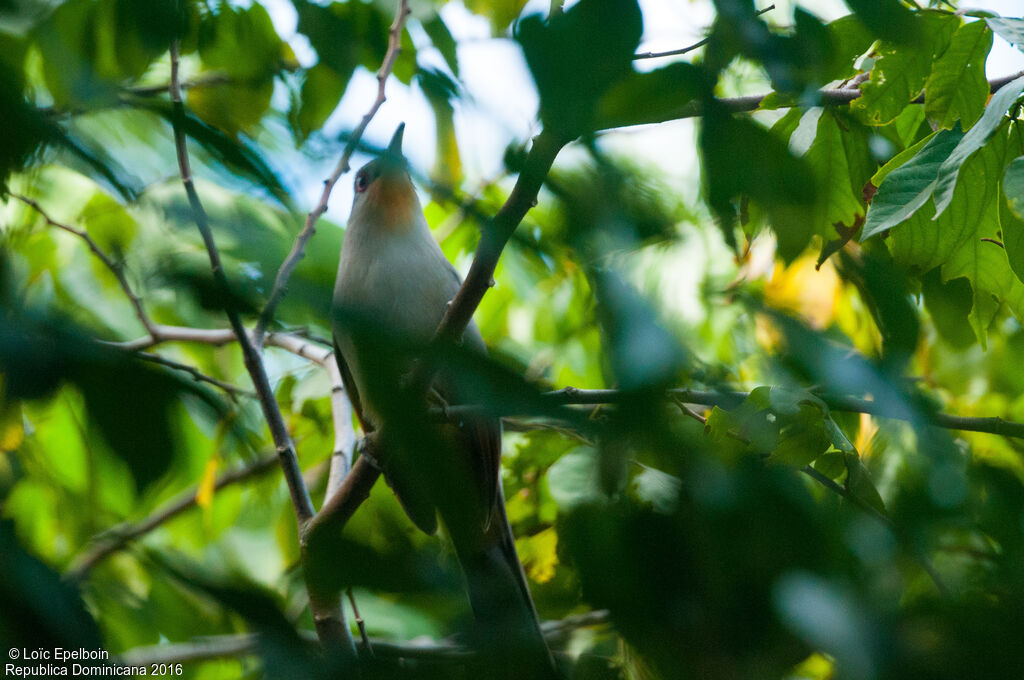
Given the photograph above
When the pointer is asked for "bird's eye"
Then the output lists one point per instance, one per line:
(361, 183)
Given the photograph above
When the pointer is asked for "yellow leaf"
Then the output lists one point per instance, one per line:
(802, 289)
(868, 429)
(12, 434)
(207, 485)
(540, 555)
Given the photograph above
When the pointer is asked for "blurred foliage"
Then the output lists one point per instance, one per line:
(809, 253)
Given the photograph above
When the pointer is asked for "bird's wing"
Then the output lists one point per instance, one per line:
(482, 434)
(350, 386)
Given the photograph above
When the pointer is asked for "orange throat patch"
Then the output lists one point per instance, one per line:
(393, 202)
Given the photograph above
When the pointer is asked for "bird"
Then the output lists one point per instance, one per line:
(393, 287)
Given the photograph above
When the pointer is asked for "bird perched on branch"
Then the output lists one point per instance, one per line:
(393, 287)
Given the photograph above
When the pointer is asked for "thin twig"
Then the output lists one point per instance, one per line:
(360, 623)
(690, 48)
(328, 615)
(839, 489)
(114, 539)
(205, 80)
(253, 363)
(115, 268)
(729, 399)
(922, 559)
(197, 375)
(234, 645)
(830, 484)
(307, 348)
(299, 247)
(344, 432)
(746, 103)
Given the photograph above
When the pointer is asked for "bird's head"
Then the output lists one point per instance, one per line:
(384, 193)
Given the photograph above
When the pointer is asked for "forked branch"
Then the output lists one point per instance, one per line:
(309, 228)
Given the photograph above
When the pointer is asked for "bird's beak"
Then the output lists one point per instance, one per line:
(395, 146)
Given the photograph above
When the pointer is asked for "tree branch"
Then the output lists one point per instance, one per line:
(844, 493)
(116, 269)
(747, 103)
(222, 646)
(495, 235)
(340, 505)
(114, 539)
(990, 425)
(328, 615)
(233, 390)
(689, 48)
(299, 247)
(253, 362)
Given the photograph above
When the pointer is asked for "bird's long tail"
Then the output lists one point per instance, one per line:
(507, 621)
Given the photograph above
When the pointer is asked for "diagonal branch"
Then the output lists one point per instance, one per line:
(115, 268)
(495, 235)
(233, 390)
(299, 247)
(847, 495)
(253, 362)
(235, 645)
(689, 48)
(748, 103)
(574, 396)
(356, 487)
(114, 539)
(328, 615)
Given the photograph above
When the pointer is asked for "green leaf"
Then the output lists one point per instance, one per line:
(957, 88)
(1011, 214)
(40, 608)
(135, 420)
(442, 39)
(973, 140)
(887, 19)
(837, 437)
(832, 464)
(440, 90)
(345, 34)
(964, 239)
(837, 160)
(233, 153)
(802, 438)
(1012, 225)
(1009, 29)
(500, 12)
(89, 47)
(741, 158)
(658, 489)
(796, 60)
(849, 40)
(241, 42)
(1013, 186)
(232, 107)
(899, 159)
(652, 97)
(899, 74)
(108, 223)
(319, 96)
(908, 186)
(576, 56)
(949, 304)
(575, 478)
(859, 484)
